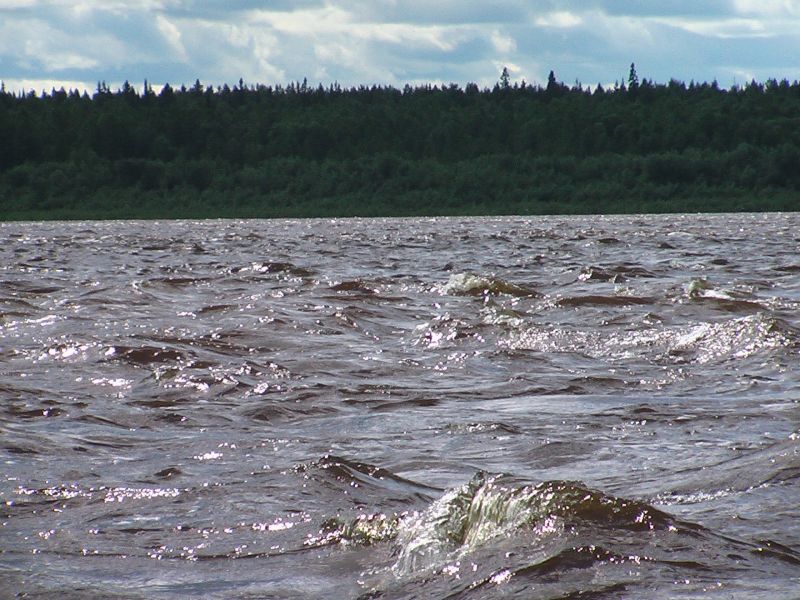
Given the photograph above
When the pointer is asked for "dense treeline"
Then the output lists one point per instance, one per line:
(301, 150)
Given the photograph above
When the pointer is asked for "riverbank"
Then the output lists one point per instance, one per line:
(301, 151)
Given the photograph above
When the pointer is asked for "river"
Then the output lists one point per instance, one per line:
(518, 407)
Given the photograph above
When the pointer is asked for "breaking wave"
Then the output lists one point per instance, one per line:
(490, 507)
(710, 342)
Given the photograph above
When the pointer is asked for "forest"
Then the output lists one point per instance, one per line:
(254, 150)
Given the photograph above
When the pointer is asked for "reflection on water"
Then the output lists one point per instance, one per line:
(517, 407)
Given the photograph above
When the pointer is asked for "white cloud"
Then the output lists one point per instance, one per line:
(222, 52)
(339, 52)
(621, 31)
(172, 35)
(16, 4)
(445, 38)
(513, 69)
(58, 61)
(46, 85)
(39, 45)
(559, 20)
(504, 44)
(303, 22)
(741, 77)
(726, 28)
(331, 21)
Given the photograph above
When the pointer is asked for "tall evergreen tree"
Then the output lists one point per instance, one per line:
(633, 80)
(505, 79)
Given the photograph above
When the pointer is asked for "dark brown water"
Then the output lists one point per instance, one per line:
(578, 407)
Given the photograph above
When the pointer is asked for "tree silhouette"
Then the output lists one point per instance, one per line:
(552, 82)
(633, 80)
(505, 79)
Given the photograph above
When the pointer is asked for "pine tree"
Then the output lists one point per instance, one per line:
(633, 80)
(505, 79)
(552, 83)
(554, 88)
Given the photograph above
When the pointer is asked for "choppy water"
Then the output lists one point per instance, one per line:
(479, 408)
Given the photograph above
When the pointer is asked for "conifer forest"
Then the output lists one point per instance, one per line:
(302, 150)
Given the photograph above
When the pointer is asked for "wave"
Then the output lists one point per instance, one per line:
(486, 508)
(618, 274)
(736, 338)
(498, 534)
(490, 507)
(362, 481)
(27, 288)
(469, 284)
(738, 301)
(279, 267)
(598, 300)
(354, 285)
(144, 355)
(703, 343)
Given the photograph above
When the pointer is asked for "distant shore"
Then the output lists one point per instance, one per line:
(129, 204)
(301, 151)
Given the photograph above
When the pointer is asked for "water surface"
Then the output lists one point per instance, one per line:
(401, 408)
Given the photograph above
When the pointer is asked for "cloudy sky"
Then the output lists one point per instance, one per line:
(76, 43)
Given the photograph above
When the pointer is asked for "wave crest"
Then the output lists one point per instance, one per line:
(469, 284)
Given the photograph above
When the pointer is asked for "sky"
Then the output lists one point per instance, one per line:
(48, 44)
